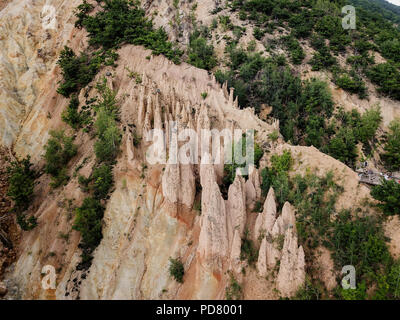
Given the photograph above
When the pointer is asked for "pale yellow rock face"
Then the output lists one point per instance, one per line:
(139, 237)
(28, 72)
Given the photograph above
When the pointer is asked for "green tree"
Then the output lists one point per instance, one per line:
(58, 151)
(71, 115)
(21, 183)
(387, 77)
(391, 157)
(370, 122)
(102, 181)
(107, 147)
(343, 146)
(20, 190)
(201, 55)
(176, 269)
(88, 222)
(388, 194)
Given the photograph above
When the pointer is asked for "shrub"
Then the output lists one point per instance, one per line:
(123, 21)
(76, 119)
(369, 124)
(71, 115)
(107, 147)
(58, 151)
(352, 84)
(309, 291)
(61, 179)
(225, 22)
(391, 157)
(20, 190)
(274, 135)
(88, 222)
(315, 199)
(21, 183)
(247, 250)
(328, 26)
(343, 146)
(240, 148)
(393, 278)
(26, 224)
(109, 136)
(77, 71)
(258, 33)
(282, 163)
(322, 59)
(388, 194)
(176, 269)
(360, 293)
(295, 50)
(136, 139)
(277, 177)
(387, 77)
(102, 181)
(301, 24)
(201, 55)
(390, 49)
(234, 290)
(359, 242)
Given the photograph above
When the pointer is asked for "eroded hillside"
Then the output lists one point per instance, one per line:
(271, 234)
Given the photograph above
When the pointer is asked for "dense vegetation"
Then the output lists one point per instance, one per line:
(248, 251)
(88, 220)
(388, 194)
(320, 21)
(305, 109)
(77, 71)
(201, 54)
(75, 118)
(354, 238)
(20, 190)
(176, 269)
(391, 155)
(59, 150)
(123, 21)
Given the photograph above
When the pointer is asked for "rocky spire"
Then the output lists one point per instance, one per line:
(253, 189)
(141, 110)
(178, 184)
(236, 220)
(213, 241)
(231, 91)
(291, 274)
(157, 113)
(266, 219)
